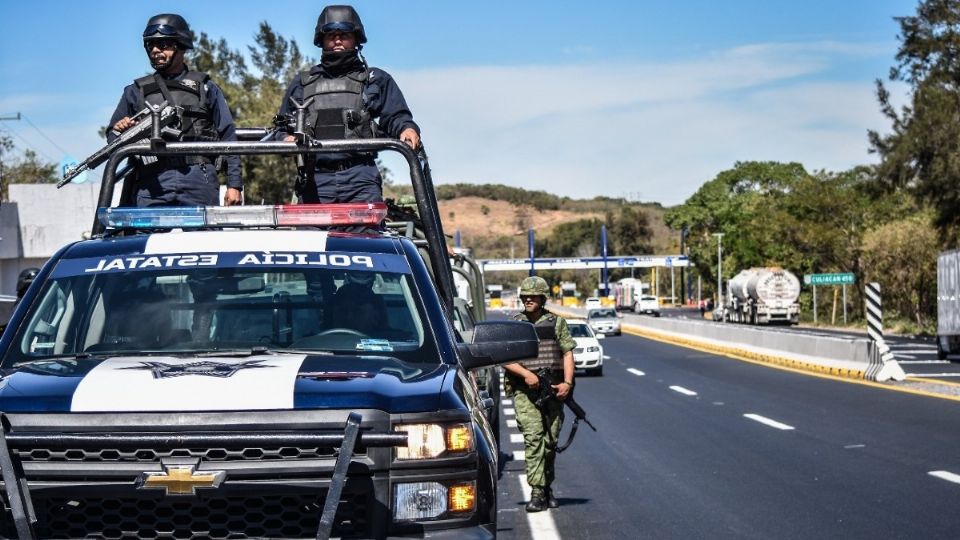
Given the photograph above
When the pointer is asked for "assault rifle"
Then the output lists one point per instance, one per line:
(547, 393)
(152, 122)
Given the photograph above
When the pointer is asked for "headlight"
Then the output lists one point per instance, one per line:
(432, 500)
(593, 349)
(427, 441)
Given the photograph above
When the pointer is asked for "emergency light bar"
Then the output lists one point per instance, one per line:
(194, 217)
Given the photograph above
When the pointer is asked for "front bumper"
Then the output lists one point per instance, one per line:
(588, 360)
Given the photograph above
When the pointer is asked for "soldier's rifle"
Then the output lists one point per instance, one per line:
(152, 122)
(546, 393)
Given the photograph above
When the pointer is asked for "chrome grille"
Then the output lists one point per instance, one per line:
(151, 455)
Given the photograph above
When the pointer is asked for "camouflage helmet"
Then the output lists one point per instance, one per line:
(533, 286)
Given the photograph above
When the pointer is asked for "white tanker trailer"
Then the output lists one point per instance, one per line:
(763, 296)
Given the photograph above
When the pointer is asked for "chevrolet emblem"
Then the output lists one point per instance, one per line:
(180, 480)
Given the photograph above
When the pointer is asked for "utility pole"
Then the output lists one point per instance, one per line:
(5, 118)
(719, 267)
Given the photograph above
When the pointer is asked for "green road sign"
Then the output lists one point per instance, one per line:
(829, 279)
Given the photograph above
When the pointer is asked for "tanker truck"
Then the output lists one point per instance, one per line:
(763, 296)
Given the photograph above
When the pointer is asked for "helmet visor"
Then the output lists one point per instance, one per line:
(338, 27)
(162, 29)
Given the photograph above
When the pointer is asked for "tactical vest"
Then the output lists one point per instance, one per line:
(189, 93)
(337, 110)
(550, 355)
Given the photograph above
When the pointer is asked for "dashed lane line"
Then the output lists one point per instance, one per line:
(946, 475)
(542, 526)
(767, 421)
(636, 372)
(683, 390)
(933, 374)
(511, 422)
(923, 361)
(519, 455)
(516, 438)
(509, 412)
(508, 402)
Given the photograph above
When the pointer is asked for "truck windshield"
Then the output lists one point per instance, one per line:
(224, 308)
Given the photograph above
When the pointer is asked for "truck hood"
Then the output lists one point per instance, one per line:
(256, 382)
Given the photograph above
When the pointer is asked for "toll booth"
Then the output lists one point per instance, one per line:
(495, 293)
(568, 292)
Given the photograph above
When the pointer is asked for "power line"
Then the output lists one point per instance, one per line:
(57, 146)
(29, 144)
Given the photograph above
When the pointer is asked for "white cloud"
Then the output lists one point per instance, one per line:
(661, 129)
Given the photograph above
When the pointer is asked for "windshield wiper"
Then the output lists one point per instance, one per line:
(243, 353)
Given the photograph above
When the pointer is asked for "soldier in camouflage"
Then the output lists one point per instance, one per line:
(541, 427)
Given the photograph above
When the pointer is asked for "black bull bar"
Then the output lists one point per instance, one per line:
(18, 492)
(419, 176)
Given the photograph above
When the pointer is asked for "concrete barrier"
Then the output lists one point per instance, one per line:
(839, 356)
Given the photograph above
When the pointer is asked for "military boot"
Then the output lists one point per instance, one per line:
(538, 501)
(551, 500)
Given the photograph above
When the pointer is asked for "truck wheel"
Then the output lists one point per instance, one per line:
(941, 353)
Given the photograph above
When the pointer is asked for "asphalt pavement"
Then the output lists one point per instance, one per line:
(694, 445)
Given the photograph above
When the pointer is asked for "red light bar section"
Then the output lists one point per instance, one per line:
(372, 214)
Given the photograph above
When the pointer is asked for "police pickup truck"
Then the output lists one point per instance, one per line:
(245, 372)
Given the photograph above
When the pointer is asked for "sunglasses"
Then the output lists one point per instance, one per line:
(162, 44)
(338, 27)
(526, 299)
(162, 29)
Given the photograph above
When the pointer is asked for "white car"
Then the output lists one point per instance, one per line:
(649, 305)
(592, 303)
(589, 353)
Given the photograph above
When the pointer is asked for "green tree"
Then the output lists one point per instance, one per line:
(902, 257)
(254, 97)
(920, 154)
(24, 169)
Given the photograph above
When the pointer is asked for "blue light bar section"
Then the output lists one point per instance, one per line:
(162, 217)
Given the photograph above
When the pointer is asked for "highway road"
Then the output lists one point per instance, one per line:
(694, 445)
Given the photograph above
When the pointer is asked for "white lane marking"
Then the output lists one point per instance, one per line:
(683, 390)
(606, 357)
(850, 446)
(636, 372)
(899, 354)
(914, 351)
(508, 402)
(511, 422)
(946, 475)
(509, 411)
(519, 455)
(934, 374)
(516, 438)
(541, 524)
(923, 361)
(767, 421)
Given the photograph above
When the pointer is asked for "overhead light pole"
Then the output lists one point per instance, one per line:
(719, 267)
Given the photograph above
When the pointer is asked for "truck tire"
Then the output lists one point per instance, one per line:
(941, 352)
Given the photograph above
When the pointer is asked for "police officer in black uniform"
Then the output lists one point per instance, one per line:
(186, 180)
(347, 97)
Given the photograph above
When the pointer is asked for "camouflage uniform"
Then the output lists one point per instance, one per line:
(540, 427)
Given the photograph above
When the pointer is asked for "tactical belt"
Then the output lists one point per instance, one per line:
(344, 164)
(171, 162)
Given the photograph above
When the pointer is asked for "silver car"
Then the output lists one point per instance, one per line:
(604, 321)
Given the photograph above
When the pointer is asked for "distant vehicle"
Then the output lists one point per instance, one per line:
(604, 321)
(648, 305)
(592, 302)
(763, 296)
(589, 353)
(948, 303)
(627, 293)
(495, 291)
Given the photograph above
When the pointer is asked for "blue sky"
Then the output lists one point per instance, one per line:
(646, 99)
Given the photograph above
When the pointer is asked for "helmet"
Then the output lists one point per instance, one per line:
(24, 280)
(534, 285)
(169, 26)
(338, 18)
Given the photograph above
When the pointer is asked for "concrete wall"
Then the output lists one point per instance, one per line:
(39, 220)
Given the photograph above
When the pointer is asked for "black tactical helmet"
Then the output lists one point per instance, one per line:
(339, 19)
(169, 26)
(24, 280)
